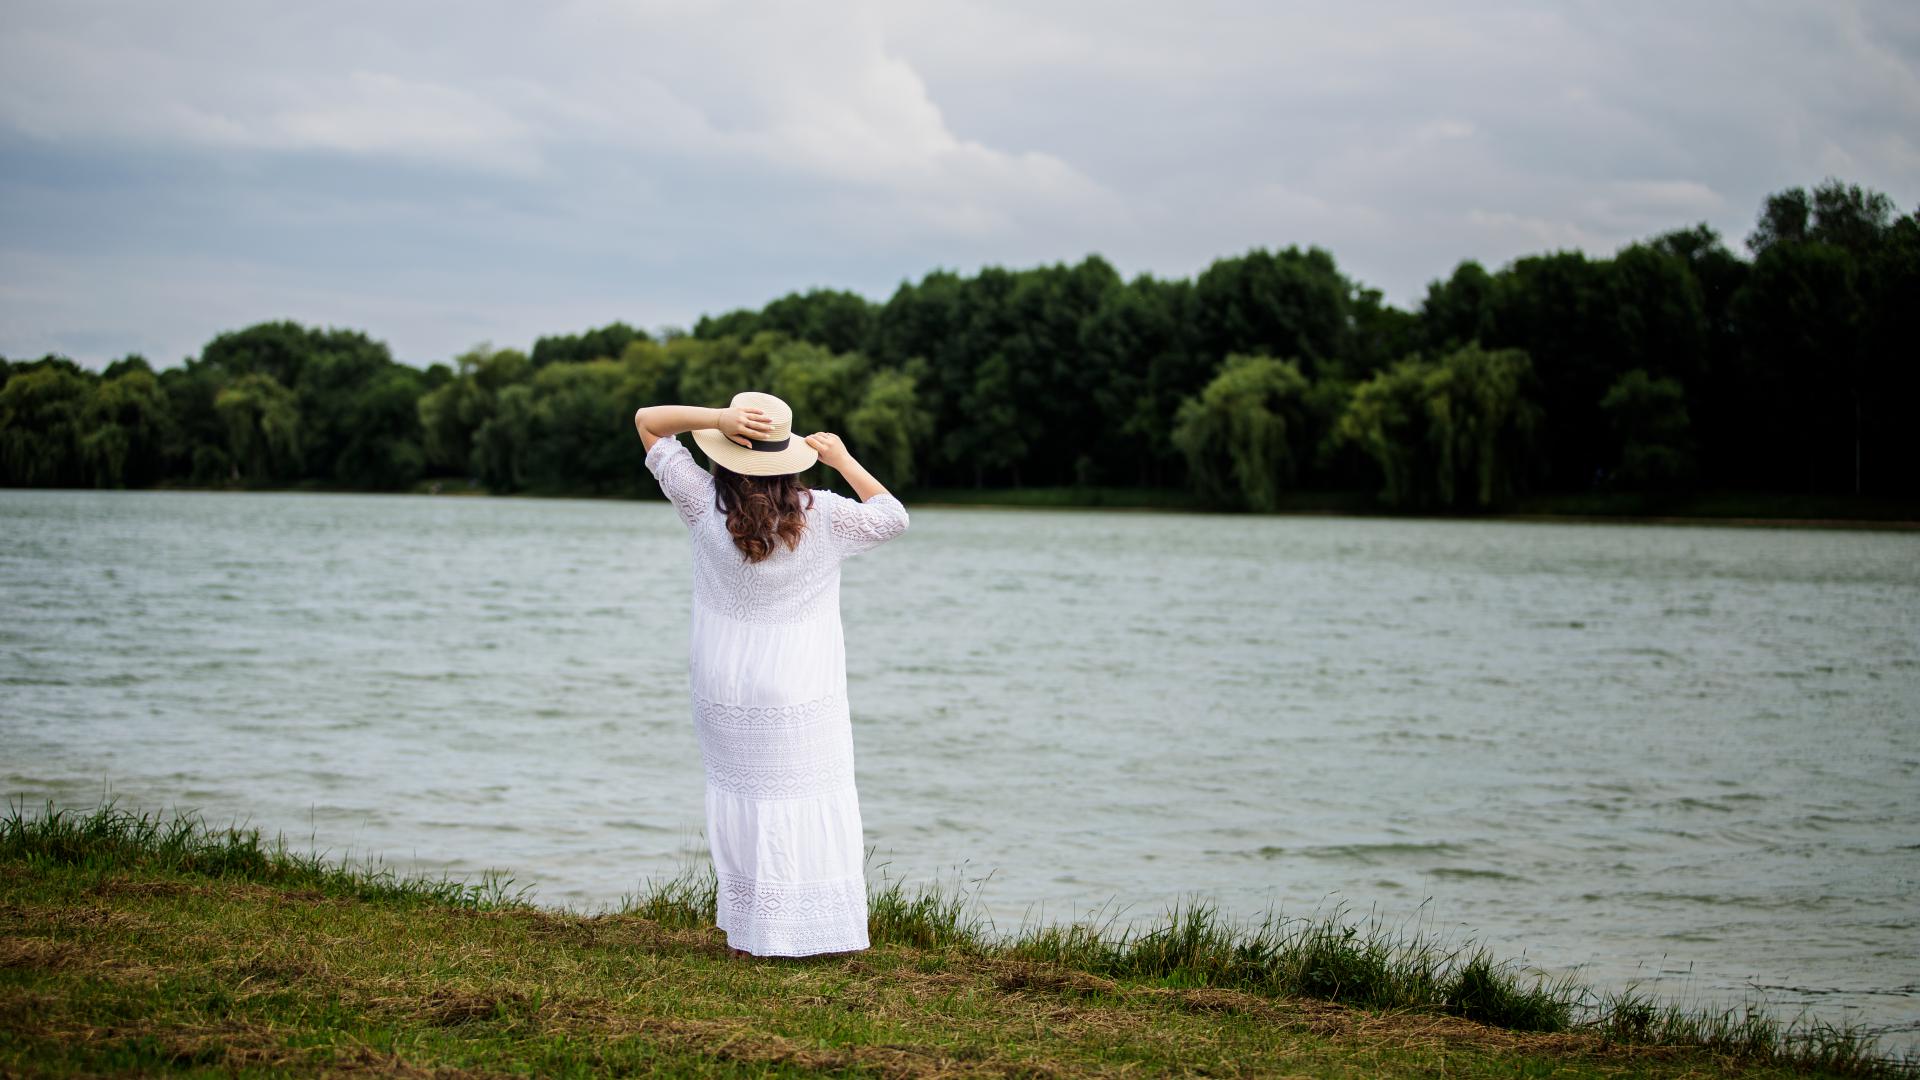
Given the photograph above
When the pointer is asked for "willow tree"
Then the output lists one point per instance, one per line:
(1387, 419)
(502, 443)
(264, 438)
(1244, 434)
(127, 427)
(1484, 421)
(43, 419)
(891, 422)
(452, 412)
(1447, 432)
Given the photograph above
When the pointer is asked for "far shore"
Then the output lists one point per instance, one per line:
(1736, 509)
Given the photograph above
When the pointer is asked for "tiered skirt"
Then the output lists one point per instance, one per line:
(783, 814)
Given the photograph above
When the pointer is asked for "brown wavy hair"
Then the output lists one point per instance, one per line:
(762, 509)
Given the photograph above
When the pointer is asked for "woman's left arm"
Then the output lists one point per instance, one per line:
(655, 422)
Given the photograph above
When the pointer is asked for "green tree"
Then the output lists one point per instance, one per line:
(277, 349)
(195, 445)
(1450, 432)
(1716, 418)
(127, 428)
(608, 342)
(650, 372)
(930, 320)
(1140, 340)
(383, 449)
(994, 436)
(264, 437)
(128, 363)
(1286, 303)
(43, 424)
(1457, 311)
(711, 372)
(1890, 279)
(453, 411)
(834, 319)
(1382, 333)
(1801, 317)
(1056, 373)
(1245, 434)
(1387, 419)
(327, 370)
(1660, 312)
(341, 367)
(1650, 426)
(1843, 215)
(1483, 421)
(580, 430)
(889, 425)
(1785, 218)
(823, 387)
(1563, 311)
(503, 442)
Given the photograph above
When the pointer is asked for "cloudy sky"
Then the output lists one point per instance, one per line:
(443, 174)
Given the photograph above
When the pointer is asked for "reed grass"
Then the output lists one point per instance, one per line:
(108, 838)
(1331, 956)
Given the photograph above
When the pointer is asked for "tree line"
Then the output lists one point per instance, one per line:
(1672, 365)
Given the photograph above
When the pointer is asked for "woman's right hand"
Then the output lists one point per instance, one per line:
(833, 453)
(743, 423)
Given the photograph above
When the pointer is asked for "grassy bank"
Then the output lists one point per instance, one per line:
(131, 945)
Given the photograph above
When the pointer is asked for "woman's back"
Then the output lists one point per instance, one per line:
(791, 585)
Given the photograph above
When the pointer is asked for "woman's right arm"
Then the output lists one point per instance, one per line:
(655, 422)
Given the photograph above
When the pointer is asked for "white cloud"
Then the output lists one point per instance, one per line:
(786, 93)
(379, 113)
(656, 160)
(1639, 207)
(1517, 231)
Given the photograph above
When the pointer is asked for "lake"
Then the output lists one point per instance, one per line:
(1683, 756)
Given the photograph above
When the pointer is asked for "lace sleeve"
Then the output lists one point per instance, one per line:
(681, 479)
(858, 526)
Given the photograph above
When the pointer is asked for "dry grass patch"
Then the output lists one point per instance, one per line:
(742, 1040)
(234, 1044)
(26, 952)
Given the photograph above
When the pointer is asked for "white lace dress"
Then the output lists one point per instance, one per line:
(769, 679)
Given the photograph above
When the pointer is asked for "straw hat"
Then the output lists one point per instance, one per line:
(778, 455)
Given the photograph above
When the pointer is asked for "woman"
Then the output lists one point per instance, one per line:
(768, 666)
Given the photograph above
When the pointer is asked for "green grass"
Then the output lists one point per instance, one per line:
(107, 838)
(1367, 964)
(131, 945)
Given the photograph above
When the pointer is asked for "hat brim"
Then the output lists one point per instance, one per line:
(796, 457)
